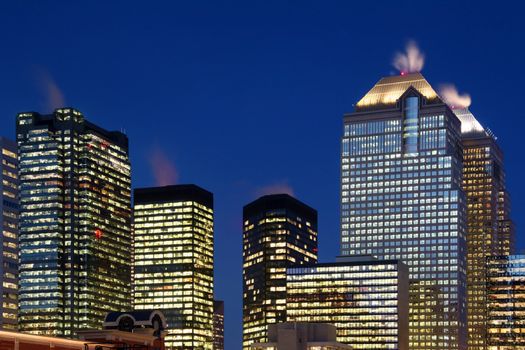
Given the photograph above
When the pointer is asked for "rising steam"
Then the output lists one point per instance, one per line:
(275, 188)
(53, 95)
(451, 97)
(163, 168)
(410, 61)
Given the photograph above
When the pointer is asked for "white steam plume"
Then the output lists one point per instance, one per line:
(50, 90)
(451, 97)
(410, 61)
(164, 170)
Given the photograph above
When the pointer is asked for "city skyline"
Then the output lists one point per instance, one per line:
(208, 93)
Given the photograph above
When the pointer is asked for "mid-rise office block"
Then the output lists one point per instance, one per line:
(402, 199)
(75, 222)
(490, 231)
(218, 325)
(173, 261)
(506, 302)
(364, 298)
(9, 237)
(279, 231)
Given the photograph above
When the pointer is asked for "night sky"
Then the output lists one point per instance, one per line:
(246, 98)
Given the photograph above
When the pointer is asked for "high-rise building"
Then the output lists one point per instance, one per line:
(489, 228)
(218, 325)
(9, 237)
(366, 299)
(279, 231)
(506, 302)
(402, 199)
(173, 261)
(75, 222)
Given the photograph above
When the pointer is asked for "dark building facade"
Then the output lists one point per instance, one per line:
(366, 300)
(218, 325)
(279, 231)
(75, 222)
(506, 302)
(402, 199)
(490, 231)
(9, 238)
(173, 261)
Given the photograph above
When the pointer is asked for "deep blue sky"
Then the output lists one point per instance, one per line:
(249, 95)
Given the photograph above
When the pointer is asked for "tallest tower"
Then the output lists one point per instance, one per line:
(402, 198)
(75, 222)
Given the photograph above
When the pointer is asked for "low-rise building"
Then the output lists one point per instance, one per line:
(301, 336)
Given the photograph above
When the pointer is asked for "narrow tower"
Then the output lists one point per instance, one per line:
(279, 231)
(490, 231)
(173, 261)
(9, 238)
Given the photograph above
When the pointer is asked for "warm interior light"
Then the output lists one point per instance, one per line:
(98, 233)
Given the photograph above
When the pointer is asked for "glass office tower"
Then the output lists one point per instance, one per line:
(9, 237)
(489, 229)
(173, 261)
(218, 325)
(506, 302)
(365, 298)
(75, 222)
(279, 231)
(402, 199)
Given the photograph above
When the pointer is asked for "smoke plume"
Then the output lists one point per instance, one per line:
(275, 188)
(53, 95)
(410, 61)
(451, 97)
(163, 168)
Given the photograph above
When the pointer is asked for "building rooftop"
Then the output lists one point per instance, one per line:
(173, 193)
(278, 201)
(470, 127)
(389, 89)
(57, 119)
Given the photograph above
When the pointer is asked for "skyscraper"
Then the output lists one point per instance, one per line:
(489, 229)
(506, 302)
(402, 199)
(173, 261)
(218, 325)
(9, 238)
(366, 299)
(75, 222)
(279, 231)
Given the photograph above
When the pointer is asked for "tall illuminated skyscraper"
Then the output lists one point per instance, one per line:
(489, 229)
(279, 231)
(173, 261)
(402, 199)
(9, 238)
(75, 222)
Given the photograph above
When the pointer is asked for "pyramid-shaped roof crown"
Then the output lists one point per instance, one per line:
(388, 90)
